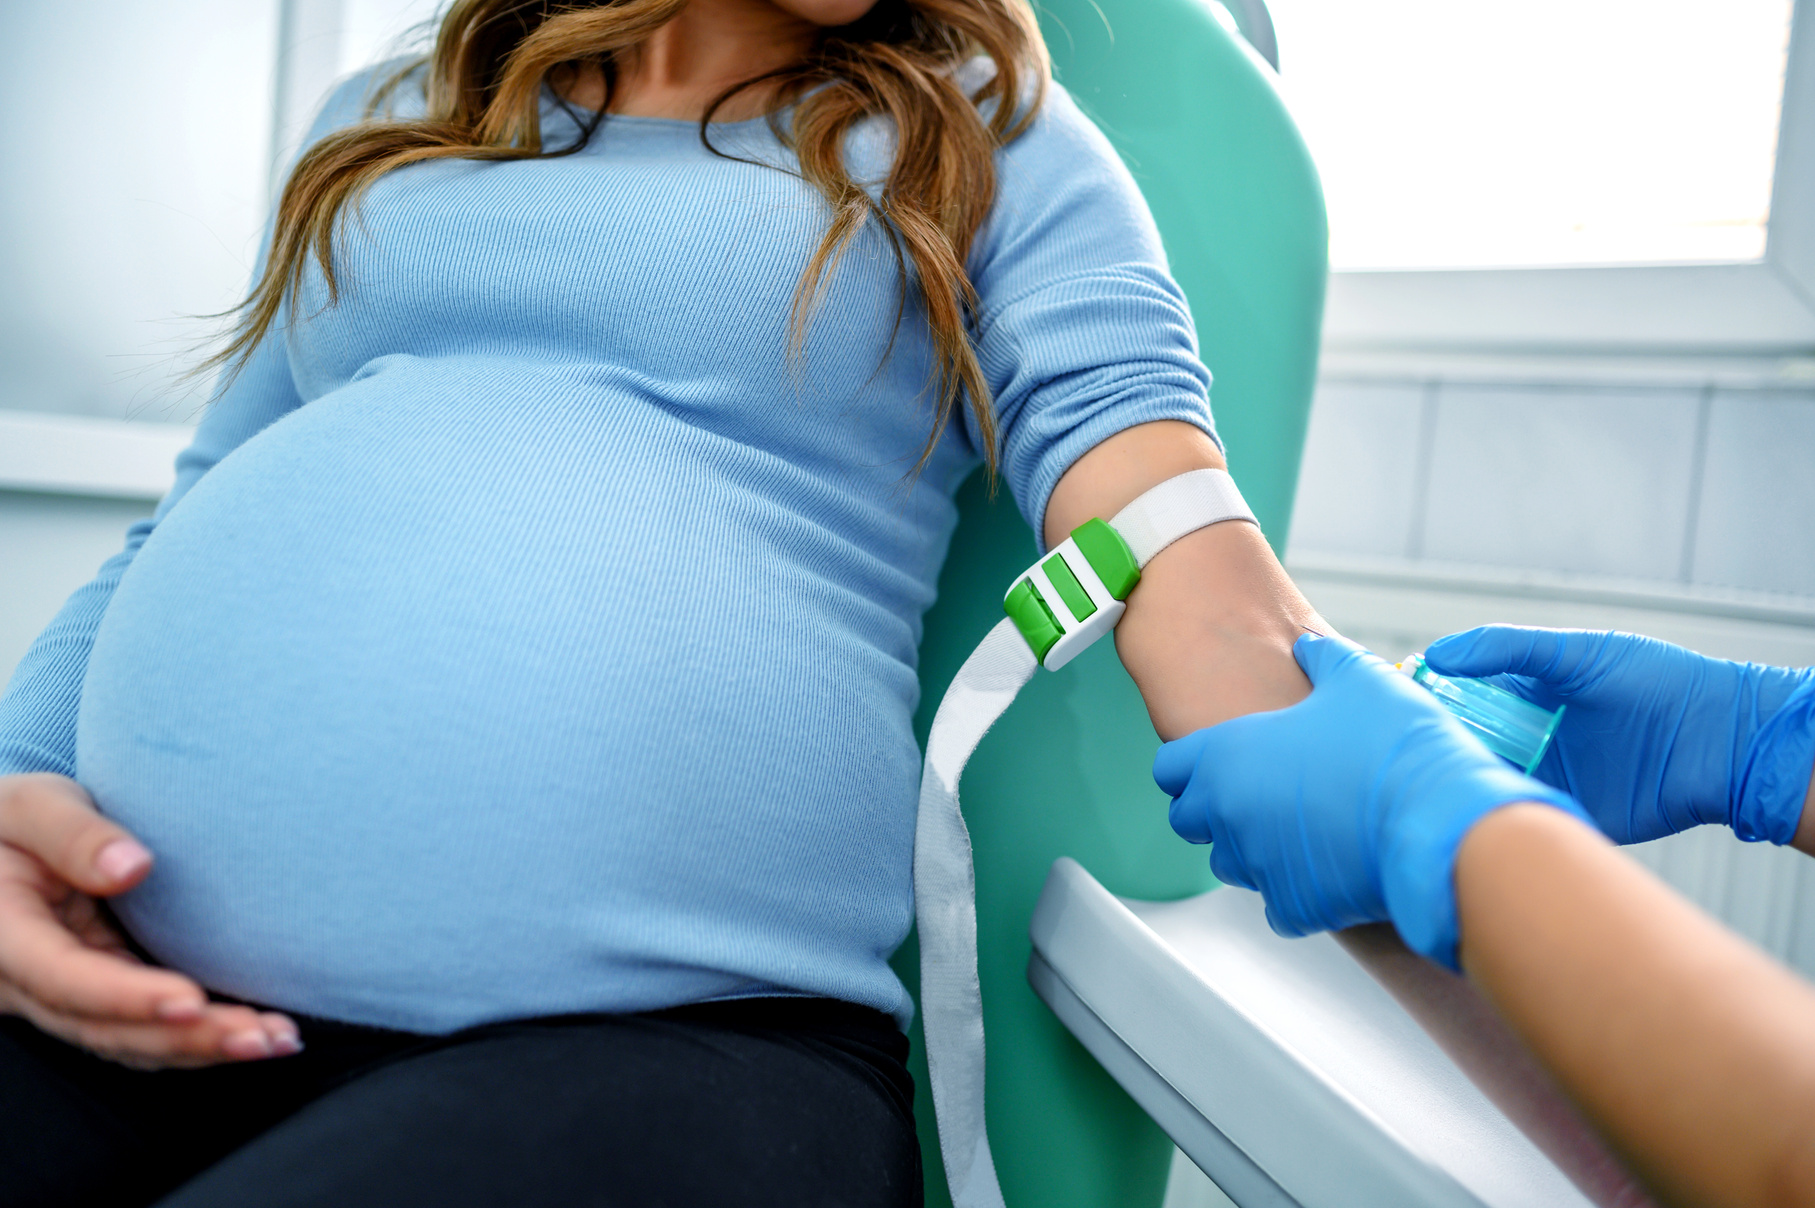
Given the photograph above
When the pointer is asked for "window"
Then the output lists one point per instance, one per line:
(1551, 132)
(1622, 155)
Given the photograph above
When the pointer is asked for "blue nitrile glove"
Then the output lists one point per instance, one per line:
(1657, 738)
(1347, 807)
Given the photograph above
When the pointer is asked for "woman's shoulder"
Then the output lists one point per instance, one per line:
(1061, 159)
(1057, 137)
(391, 89)
(1053, 115)
(1059, 133)
(1064, 200)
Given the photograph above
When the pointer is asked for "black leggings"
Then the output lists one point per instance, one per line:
(778, 1101)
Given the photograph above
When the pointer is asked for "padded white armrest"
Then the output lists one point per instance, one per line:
(1291, 1075)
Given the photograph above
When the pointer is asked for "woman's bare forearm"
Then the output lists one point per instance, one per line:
(1692, 1052)
(1209, 629)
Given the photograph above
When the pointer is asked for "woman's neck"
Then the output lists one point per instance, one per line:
(691, 61)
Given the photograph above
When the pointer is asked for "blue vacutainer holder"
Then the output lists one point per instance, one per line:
(1512, 727)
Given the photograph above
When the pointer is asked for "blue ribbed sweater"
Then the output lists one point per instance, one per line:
(527, 634)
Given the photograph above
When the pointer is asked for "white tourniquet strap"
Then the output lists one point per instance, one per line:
(945, 901)
(945, 881)
(1176, 507)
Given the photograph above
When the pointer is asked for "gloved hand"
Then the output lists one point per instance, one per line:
(1657, 738)
(1347, 807)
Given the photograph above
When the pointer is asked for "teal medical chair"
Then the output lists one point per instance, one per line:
(1195, 114)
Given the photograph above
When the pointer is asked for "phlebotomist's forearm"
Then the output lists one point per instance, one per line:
(1692, 1052)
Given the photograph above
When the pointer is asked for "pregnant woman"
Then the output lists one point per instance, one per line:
(489, 777)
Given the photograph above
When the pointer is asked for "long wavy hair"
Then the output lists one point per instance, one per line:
(483, 85)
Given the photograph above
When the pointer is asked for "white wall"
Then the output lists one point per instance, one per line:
(139, 168)
(69, 489)
(136, 149)
(1703, 485)
(50, 544)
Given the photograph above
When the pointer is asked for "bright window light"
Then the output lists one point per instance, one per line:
(1463, 133)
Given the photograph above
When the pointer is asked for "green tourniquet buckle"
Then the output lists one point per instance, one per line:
(1074, 595)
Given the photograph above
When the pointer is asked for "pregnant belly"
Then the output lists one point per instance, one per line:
(409, 701)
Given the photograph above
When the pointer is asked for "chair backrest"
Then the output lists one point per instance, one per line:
(1196, 115)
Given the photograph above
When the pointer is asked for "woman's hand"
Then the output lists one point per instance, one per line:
(1657, 738)
(64, 967)
(1347, 807)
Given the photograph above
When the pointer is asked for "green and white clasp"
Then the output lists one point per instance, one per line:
(1074, 595)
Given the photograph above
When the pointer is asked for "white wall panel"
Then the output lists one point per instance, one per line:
(49, 546)
(133, 195)
(1356, 492)
(1593, 481)
(1757, 518)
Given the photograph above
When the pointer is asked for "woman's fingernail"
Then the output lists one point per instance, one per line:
(248, 1045)
(286, 1043)
(180, 1010)
(121, 859)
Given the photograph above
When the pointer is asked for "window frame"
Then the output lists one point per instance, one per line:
(1762, 307)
